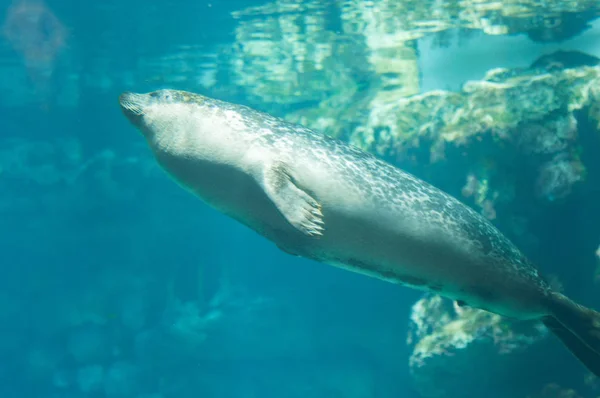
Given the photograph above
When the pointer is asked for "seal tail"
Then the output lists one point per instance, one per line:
(578, 328)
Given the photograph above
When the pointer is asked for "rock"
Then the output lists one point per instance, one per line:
(455, 347)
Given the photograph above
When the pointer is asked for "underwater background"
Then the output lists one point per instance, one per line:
(116, 282)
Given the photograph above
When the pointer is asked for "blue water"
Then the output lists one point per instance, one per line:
(115, 282)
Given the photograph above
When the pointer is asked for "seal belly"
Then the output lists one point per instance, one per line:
(228, 189)
(480, 285)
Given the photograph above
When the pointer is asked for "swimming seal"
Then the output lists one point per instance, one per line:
(320, 198)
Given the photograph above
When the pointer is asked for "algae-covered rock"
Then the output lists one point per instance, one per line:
(465, 352)
(505, 103)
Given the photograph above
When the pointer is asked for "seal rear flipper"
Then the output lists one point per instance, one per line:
(578, 328)
(587, 356)
(298, 207)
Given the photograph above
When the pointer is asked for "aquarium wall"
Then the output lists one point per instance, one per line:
(116, 282)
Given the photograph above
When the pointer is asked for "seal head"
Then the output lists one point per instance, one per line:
(133, 106)
(137, 107)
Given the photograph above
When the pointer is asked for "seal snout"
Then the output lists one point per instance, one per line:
(132, 106)
(132, 102)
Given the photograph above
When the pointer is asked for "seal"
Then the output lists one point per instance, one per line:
(320, 198)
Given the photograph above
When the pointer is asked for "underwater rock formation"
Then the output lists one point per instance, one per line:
(532, 107)
(454, 347)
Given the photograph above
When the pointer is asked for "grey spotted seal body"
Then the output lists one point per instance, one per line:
(320, 198)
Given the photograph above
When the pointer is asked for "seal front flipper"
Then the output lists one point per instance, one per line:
(297, 206)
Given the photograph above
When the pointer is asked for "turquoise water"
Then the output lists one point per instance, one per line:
(118, 283)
